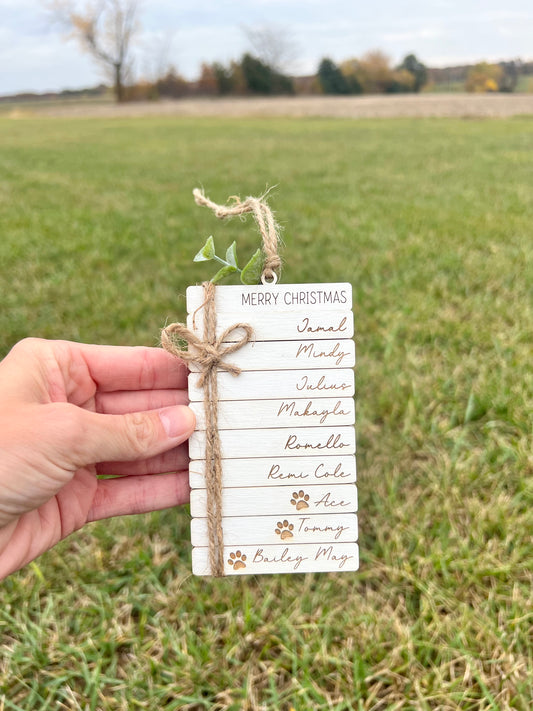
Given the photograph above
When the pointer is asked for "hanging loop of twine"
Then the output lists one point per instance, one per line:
(207, 354)
(266, 223)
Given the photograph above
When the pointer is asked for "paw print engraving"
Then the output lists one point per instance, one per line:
(300, 499)
(285, 530)
(237, 560)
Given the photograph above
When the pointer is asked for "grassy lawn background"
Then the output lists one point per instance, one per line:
(431, 221)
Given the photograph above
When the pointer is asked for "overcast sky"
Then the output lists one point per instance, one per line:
(35, 56)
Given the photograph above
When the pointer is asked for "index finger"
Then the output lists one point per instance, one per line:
(133, 368)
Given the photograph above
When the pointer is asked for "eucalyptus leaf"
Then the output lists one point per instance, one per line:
(207, 252)
(229, 269)
(251, 273)
(231, 255)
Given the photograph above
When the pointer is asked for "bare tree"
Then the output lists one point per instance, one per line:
(156, 52)
(104, 28)
(273, 45)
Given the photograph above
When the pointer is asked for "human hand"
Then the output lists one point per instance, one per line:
(70, 412)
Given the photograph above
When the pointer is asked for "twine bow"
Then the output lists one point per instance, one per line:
(207, 354)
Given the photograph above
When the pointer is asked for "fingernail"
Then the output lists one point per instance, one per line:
(178, 420)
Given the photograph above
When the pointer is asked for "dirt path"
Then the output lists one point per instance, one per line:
(424, 105)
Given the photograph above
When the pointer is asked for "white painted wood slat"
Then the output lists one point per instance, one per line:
(262, 559)
(281, 500)
(259, 385)
(289, 442)
(274, 297)
(281, 326)
(259, 414)
(272, 471)
(272, 530)
(292, 355)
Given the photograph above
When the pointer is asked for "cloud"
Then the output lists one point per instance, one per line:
(30, 65)
(403, 37)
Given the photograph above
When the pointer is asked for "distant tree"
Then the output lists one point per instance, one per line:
(511, 73)
(273, 45)
(415, 67)
(238, 80)
(262, 79)
(106, 30)
(208, 82)
(225, 78)
(258, 76)
(331, 79)
(483, 77)
(401, 82)
(172, 85)
(349, 69)
(156, 56)
(375, 72)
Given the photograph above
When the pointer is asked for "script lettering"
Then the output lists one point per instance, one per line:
(327, 501)
(329, 555)
(310, 350)
(333, 442)
(285, 557)
(305, 327)
(276, 473)
(307, 527)
(305, 383)
(290, 409)
(337, 473)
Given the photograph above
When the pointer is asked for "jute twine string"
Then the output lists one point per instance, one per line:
(266, 223)
(207, 354)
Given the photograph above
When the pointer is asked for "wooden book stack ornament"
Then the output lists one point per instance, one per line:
(272, 470)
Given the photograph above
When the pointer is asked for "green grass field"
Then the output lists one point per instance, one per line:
(431, 221)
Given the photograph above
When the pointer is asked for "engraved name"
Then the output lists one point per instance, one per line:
(290, 409)
(328, 554)
(306, 527)
(327, 501)
(320, 472)
(306, 383)
(311, 350)
(306, 327)
(337, 473)
(285, 557)
(276, 473)
(333, 442)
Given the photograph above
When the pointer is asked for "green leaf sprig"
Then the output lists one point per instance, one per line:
(249, 274)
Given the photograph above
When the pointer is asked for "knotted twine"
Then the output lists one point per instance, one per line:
(208, 355)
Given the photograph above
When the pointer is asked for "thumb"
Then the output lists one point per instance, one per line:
(135, 435)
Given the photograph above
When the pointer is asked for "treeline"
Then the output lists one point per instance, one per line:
(247, 76)
(373, 73)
